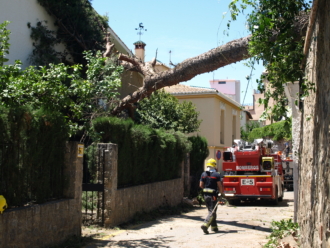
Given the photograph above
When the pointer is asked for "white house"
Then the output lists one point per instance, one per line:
(19, 13)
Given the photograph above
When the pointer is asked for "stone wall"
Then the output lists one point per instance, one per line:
(314, 181)
(50, 223)
(145, 198)
(122, 204)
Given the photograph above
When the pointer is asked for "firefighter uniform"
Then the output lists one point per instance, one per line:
(209, 181)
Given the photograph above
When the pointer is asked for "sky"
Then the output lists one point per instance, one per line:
(187, 28)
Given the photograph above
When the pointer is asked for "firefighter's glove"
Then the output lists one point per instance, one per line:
(222, 201)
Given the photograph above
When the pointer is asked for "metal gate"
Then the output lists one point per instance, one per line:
(93, 187)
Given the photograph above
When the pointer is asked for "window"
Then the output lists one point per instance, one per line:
(222, 127)
(221, 82)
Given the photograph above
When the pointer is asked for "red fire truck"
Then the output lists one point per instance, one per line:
(252, 171)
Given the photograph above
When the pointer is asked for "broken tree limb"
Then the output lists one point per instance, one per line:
(133, 61)
(108, 47)
(146, 69)
(229, 53)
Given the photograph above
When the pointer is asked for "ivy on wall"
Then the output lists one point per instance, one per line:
(80, 28)
(45, 40)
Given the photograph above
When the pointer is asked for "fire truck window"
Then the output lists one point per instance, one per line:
(267, 165)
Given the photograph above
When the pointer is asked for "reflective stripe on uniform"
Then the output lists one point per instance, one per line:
(209, 177)
(208, 190)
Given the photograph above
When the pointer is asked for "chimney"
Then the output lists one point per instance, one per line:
(139, 50)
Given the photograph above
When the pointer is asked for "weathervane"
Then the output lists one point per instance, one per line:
(140, 28)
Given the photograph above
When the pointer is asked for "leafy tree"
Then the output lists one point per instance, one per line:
(276, 43)
(78, 94)
(249, 126)
(162, 110)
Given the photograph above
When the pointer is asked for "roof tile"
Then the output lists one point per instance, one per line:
(185, 89)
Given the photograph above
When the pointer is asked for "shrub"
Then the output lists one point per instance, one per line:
(145, 155)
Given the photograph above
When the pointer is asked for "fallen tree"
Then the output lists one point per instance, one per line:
(282, 23)
(231, 52)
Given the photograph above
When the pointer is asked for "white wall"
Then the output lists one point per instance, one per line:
(19, 13)
(230, 88)
(242, 117)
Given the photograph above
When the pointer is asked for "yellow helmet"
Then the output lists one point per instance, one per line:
(211, 162)
(3, 204)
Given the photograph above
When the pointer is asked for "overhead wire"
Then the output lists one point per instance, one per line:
(217, 41)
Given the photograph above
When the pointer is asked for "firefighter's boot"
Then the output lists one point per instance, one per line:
(214, 229)
(204, 228)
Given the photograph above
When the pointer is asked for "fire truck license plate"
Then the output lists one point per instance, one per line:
(247, 182)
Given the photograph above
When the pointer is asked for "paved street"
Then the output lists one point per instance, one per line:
(246, 225)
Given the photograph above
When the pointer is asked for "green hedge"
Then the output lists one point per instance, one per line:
(32, 146)
(198, 154)
(276, 131)
(145, 155)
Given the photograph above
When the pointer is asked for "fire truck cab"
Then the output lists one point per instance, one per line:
(252, 171)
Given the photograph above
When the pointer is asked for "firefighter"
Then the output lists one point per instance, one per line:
(210, 183)
(287, 149)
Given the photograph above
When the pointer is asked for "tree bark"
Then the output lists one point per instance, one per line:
(231, 52)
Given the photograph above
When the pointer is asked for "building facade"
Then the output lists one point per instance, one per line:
(229, 87)
(220, 117)
(256, 110)
(245, 118)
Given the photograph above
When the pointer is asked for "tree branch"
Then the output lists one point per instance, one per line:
(108, 47)
(129, 66)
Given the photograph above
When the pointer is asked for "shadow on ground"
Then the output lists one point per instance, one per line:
(263, 203)
(159, 242)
